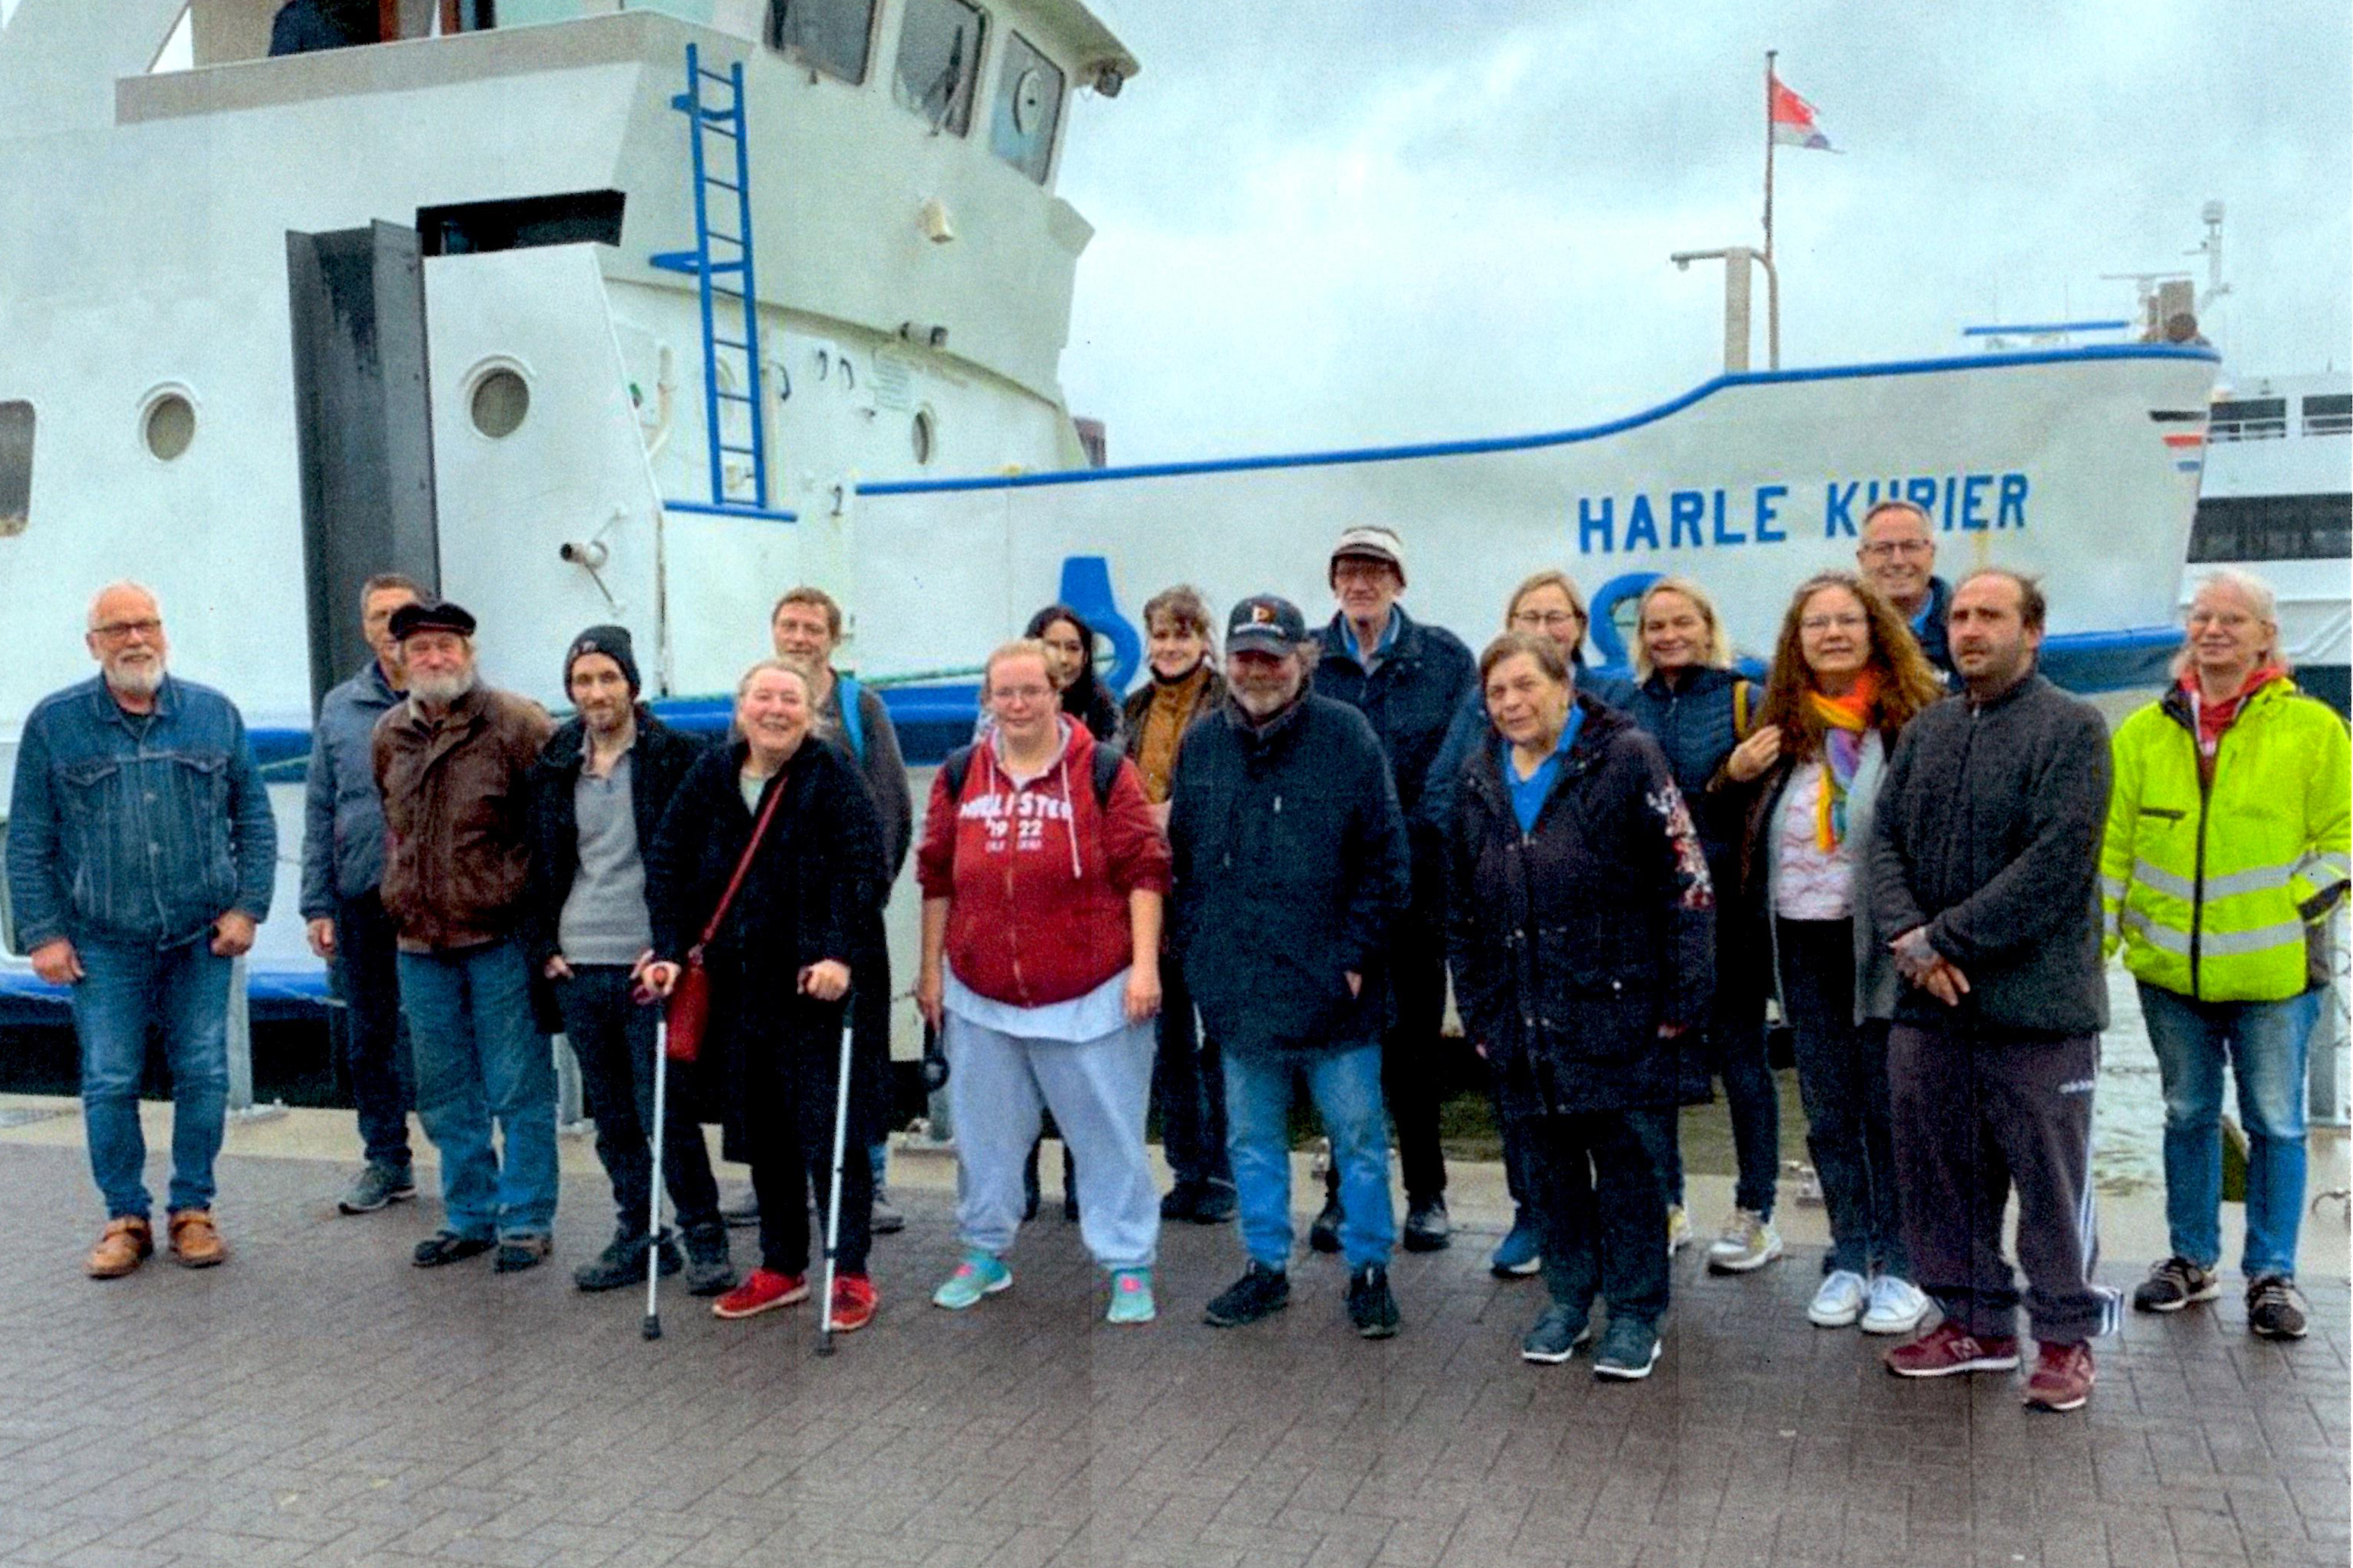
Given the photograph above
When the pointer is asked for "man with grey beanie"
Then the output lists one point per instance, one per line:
(596, 796)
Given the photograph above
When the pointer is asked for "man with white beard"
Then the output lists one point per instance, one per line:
(454, 761)
(140, 853)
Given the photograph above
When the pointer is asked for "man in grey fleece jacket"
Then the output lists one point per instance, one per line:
(1984, 860)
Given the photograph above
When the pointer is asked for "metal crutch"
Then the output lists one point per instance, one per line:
(833, 1200)
(653, 1203)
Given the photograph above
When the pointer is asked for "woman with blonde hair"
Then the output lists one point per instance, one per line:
(1687, 696)
(1847, 676)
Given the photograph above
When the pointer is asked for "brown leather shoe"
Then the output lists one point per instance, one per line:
(125, 1244)
(196, 1241)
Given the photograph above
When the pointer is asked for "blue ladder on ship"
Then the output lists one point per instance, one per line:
(721, 265)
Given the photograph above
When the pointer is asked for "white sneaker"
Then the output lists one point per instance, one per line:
(1840, 1301)
(1897, 1306)
(1749, 1241)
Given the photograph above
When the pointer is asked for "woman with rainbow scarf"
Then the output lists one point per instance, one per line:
(1847, 676)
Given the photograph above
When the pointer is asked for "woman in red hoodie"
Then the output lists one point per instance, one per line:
(1043, 873)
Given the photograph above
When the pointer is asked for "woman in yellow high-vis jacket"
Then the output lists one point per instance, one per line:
(2226, 847)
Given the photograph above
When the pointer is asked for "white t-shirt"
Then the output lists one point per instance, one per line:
(1810, 883)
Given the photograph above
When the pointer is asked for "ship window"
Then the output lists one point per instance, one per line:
(922, 435)
(16, 465)
(2273, 528)
(831, 36)
(2330, 414)
(2250, 419)
(169, 425)
(1029, 105)
(500, 399)
(939, 61)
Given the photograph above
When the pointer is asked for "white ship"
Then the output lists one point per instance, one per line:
(640, 310)
(2277, 500)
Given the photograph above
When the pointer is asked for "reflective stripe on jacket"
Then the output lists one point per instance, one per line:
(2208, 887)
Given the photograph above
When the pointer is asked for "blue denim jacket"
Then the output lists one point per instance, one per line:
(117, 835)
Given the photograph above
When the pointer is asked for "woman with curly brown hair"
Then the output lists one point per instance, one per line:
(1847, 676)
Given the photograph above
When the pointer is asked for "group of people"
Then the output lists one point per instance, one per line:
(1258, 871)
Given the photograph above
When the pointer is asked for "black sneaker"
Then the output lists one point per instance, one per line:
(449, 1247)
(1426, 1228)
(1324, 1235)
(1371, 1306)
(377, 1186)
(1629, 1349)
(2173, 1284)
(1259, 1293)
(623, 1262)
(743, 1213)
(886, 1219)
(1556, 1335)
(709, 1270)
(517, 1253)
(1216, 1204)
(1182, 1199)
(2275, 1308)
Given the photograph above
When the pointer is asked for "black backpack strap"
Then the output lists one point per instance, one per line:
(1106, 773)
(954, 767)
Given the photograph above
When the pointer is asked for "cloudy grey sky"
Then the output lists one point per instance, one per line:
(1344, 221)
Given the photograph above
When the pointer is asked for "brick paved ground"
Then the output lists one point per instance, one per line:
(318, 1401)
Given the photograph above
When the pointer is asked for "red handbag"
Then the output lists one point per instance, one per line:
(688, 1013)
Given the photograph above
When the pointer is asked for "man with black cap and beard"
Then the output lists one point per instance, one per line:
(453, 762)
(596, 797)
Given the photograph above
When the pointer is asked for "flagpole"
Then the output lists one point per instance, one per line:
(1769, 154)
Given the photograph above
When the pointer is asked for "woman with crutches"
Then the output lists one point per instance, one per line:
(1043, 874)
(765, 863)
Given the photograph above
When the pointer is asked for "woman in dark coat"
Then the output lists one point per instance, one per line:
(778, 965)
(1582, 933)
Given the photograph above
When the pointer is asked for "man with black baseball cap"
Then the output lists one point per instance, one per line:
(596, 797)
(1291, 862)
(1407, 680)
(453, 763)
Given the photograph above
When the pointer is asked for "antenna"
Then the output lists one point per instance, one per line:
(2210, 215)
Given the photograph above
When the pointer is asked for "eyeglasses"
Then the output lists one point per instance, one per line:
(119, 631)
(1550, 620)
(1887, 547)
(1845, 623)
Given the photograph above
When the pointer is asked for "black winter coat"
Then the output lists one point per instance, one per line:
(1290, 869)
(658, 761)
(1410, 700)
(1693, 721)
(812, 882)
(1571, 946)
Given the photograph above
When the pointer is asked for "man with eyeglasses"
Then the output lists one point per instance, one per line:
(1898, 557)
(140, 856)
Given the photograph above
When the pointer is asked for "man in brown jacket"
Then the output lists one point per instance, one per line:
(453, 762)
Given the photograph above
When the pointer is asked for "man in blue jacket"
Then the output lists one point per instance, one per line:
(1289, 866)
(141, 853)
(343, 907)
(1407, 680)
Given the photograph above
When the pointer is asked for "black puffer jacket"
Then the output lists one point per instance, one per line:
(1572, 944)
(658, 761)
(1290, 867)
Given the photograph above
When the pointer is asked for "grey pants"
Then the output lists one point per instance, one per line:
(1976, 1112)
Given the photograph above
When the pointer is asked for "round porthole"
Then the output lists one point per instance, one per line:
(1028, 101)
(500, 402)
(921, 434)
(169, 425)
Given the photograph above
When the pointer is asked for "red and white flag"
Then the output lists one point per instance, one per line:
(1793, 121)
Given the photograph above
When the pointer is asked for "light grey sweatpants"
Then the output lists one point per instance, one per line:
(1098, 1090)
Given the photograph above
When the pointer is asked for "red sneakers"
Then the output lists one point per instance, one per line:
(2063, 1378)
(853, 1303)
(1946, 1350)
(763, 1290)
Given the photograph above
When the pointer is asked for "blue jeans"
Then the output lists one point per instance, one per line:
(481, 1057)
(2265, 1044)
(1347, 1088)
(1601, 1208)
(125, 990)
